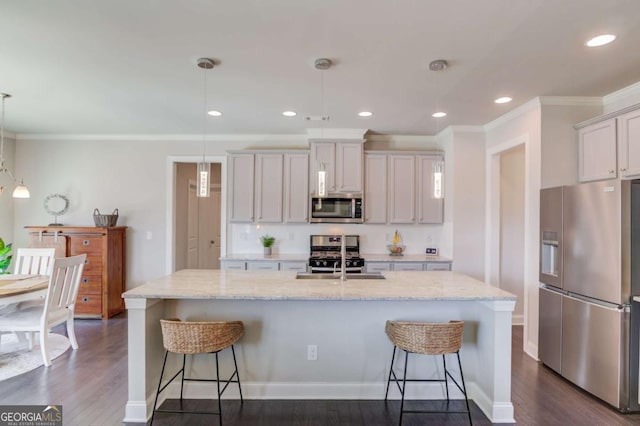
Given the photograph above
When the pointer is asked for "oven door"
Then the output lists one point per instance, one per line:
(336, 210)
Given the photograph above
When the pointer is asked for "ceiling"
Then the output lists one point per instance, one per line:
(129, 67)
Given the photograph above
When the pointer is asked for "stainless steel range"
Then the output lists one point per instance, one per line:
(325, 253)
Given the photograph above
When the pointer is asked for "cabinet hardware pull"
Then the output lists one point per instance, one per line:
(86, 242)
(85, 299)
(85, 280)
(86, 262)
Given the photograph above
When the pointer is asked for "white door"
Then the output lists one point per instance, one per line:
(192, 226)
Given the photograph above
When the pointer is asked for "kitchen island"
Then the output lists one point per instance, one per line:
(345, 320)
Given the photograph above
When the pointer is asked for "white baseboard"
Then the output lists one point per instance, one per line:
(498, 412)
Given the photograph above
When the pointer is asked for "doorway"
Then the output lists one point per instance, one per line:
(197, 220)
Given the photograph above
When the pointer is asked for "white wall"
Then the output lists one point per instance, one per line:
(6, 201)
(512, 226)
(465, 200)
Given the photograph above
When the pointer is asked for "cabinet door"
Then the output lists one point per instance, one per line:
(375, 186)
(296, 188)
(268, 187)
(629, 134)
(402, 188)
(323, 153)
(430, 209)
(597, 151)
(241, 183)
(349, 167)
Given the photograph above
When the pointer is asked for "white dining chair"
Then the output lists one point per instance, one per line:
(58, 307)
(36, 261)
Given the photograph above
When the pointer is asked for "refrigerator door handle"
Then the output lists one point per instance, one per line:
(603, 304)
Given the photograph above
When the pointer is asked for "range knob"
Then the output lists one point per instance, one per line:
(317, 263)
(348, 263)
(324, 263)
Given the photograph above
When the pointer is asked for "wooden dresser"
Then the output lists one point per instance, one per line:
(103, 280)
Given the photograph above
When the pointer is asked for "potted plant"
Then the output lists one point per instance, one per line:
(5, 257)
(267, 242)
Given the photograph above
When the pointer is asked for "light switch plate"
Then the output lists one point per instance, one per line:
(432, 251)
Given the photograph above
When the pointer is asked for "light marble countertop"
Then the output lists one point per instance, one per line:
(283, 285)
(404, 258)
(272, 257)
(305, 257)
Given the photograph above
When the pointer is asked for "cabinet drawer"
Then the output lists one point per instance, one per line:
(408, 266)
(439, 266)
(293, 266)
(90, 284)
(234, 265)
(92, 265)
(86, 244)
(89, 304)
(262, 266)
(378, 267)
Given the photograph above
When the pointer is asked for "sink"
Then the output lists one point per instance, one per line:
(369, 276)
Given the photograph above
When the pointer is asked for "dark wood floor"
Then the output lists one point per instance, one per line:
(91, 384)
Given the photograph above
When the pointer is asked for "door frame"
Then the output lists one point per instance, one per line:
(531, 231)
(172, 161)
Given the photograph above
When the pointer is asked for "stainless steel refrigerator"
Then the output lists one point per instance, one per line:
(589, 272)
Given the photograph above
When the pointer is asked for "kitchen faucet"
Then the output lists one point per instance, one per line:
(343, 257)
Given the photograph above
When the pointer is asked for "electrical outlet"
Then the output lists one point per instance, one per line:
(312, 352)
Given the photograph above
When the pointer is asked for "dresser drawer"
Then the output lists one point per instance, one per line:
(89, 244)
(92, 265)
(90, 304)
(90, 284)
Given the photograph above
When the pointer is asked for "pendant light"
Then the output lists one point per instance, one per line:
(204, 168)
(322, 64)
(20, 190)
(438, 165)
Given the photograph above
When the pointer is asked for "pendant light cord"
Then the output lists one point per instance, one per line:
(204, 116)
(2, 134)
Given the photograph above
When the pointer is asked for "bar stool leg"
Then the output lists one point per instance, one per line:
(464, 389)
(184, 357)
(390, 370)
(446, 382)
(218, 383)
(404, 384)
(237, 374)
(155, 402)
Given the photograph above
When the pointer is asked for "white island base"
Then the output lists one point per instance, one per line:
(345, 320)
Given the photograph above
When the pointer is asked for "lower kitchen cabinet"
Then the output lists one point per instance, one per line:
(377, 266)
(293, 266)
(262, 266)
(407, 266)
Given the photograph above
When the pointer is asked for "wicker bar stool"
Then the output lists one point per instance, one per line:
(427, 339)
(190, 338)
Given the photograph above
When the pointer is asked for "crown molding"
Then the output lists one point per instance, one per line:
(401, 138)
(571, 100)
(322, 133)
(117, 137)
(618, 95)
(505, 118)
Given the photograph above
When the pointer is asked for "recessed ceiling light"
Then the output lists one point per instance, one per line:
(289, 113)
(365, 114)
(503, 100)
(601, 40)
(439, 114)
(214, 113)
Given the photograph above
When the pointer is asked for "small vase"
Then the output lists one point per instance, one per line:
(267, 251)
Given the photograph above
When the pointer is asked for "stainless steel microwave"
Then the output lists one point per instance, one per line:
(337, 208)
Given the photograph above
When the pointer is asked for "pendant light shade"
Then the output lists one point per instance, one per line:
(204, 168)
(322, 181)
(438, 179)
(20, 191)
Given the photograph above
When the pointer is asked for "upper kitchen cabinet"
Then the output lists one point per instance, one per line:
(268, 188)
(597, 151)
(402, 188)
(342, 162)
(629, 144)
(430, 209)
(375, 187)
(241, 184)
(296, 188)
